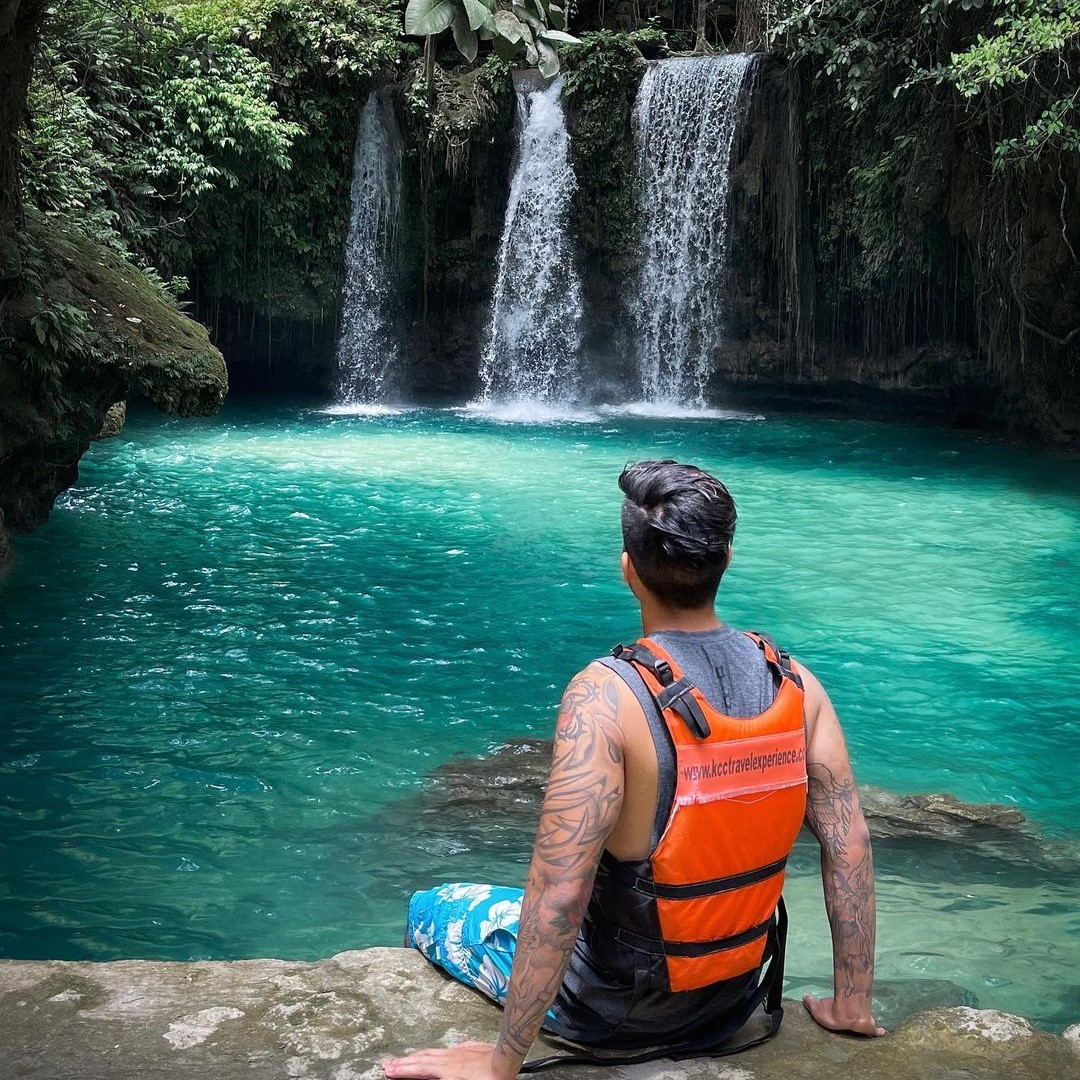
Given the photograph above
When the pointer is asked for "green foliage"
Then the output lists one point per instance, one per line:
(455, 111)
(135, 123)
(1025, 36)
(1054, 130)
(605, 62)
(1009, 59)
(213, 135)
(424, 18)
(531, 29)
(602, 77)
(276, 242)
(943, 140)
(1023, 33)
(62, 327)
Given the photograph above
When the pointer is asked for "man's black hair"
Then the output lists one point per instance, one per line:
(677, 524)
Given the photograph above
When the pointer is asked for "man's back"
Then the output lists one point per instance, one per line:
(611, 995)
(730, 671)
(709, 870)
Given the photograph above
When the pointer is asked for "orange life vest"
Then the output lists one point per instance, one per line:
(713, 882)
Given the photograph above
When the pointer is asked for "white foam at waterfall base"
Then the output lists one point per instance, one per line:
(360, 408)
(367, 348)
(527, 411)
(684, 122)
(534, 337)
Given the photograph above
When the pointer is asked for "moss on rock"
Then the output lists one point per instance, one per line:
(84, 331)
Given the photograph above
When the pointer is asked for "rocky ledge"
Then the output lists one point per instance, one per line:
(67, 367)
(338, 1018)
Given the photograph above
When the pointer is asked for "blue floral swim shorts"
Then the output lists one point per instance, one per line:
(470, 931)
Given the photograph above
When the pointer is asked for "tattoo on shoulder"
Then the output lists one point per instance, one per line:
(585, 788)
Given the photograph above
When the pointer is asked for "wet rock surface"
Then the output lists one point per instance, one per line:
(509, 782)
(337, 1018)
(490, 805)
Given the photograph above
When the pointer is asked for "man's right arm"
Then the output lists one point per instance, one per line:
(835, 817)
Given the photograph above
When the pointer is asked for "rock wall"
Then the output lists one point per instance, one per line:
(817, 324)
(457, 184)
(798, 335)
(805, 331)
(338, 1018)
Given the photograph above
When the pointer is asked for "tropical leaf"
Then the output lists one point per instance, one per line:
(549, 59)
(464, 35)
(532, 54)
(559, 35)
(508, 27)
(527, 17)
(506, 49)
(480, 16)
(426, 17)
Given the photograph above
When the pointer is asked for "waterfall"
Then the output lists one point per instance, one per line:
(684, 123)
(368, 347)
(534, 338)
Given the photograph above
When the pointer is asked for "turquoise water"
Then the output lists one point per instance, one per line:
(232, 658)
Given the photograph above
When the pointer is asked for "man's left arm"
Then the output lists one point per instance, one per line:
(582, 803)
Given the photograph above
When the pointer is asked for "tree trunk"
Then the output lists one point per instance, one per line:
(701, 44)
(429, 69)
(752, 21)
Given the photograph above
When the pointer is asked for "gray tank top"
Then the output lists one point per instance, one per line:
(727, 667)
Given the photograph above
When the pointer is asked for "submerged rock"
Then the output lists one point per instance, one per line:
(939, 815)
(338, 1018)
(492, 803)
(510, 780)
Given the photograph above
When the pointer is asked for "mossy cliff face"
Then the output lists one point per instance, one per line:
(830, 311)
(108, 335)
(602, 80)
(459, 148)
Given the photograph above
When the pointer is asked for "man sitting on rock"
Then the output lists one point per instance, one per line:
(684, 766)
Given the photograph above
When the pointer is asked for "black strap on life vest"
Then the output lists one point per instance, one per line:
(783, 659)
(625, 874)
(676, 695)
(715, 1044)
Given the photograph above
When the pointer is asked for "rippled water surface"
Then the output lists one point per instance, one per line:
(231, 660)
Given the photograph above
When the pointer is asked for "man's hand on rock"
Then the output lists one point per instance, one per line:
(465, 1061)
(829, 1014)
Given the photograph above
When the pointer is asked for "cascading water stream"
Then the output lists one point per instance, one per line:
(684, 122)
(534, 338)
(367, 347)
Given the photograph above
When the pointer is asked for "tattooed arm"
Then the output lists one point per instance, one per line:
(583, 800)
(581, 806)
(835, 817)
